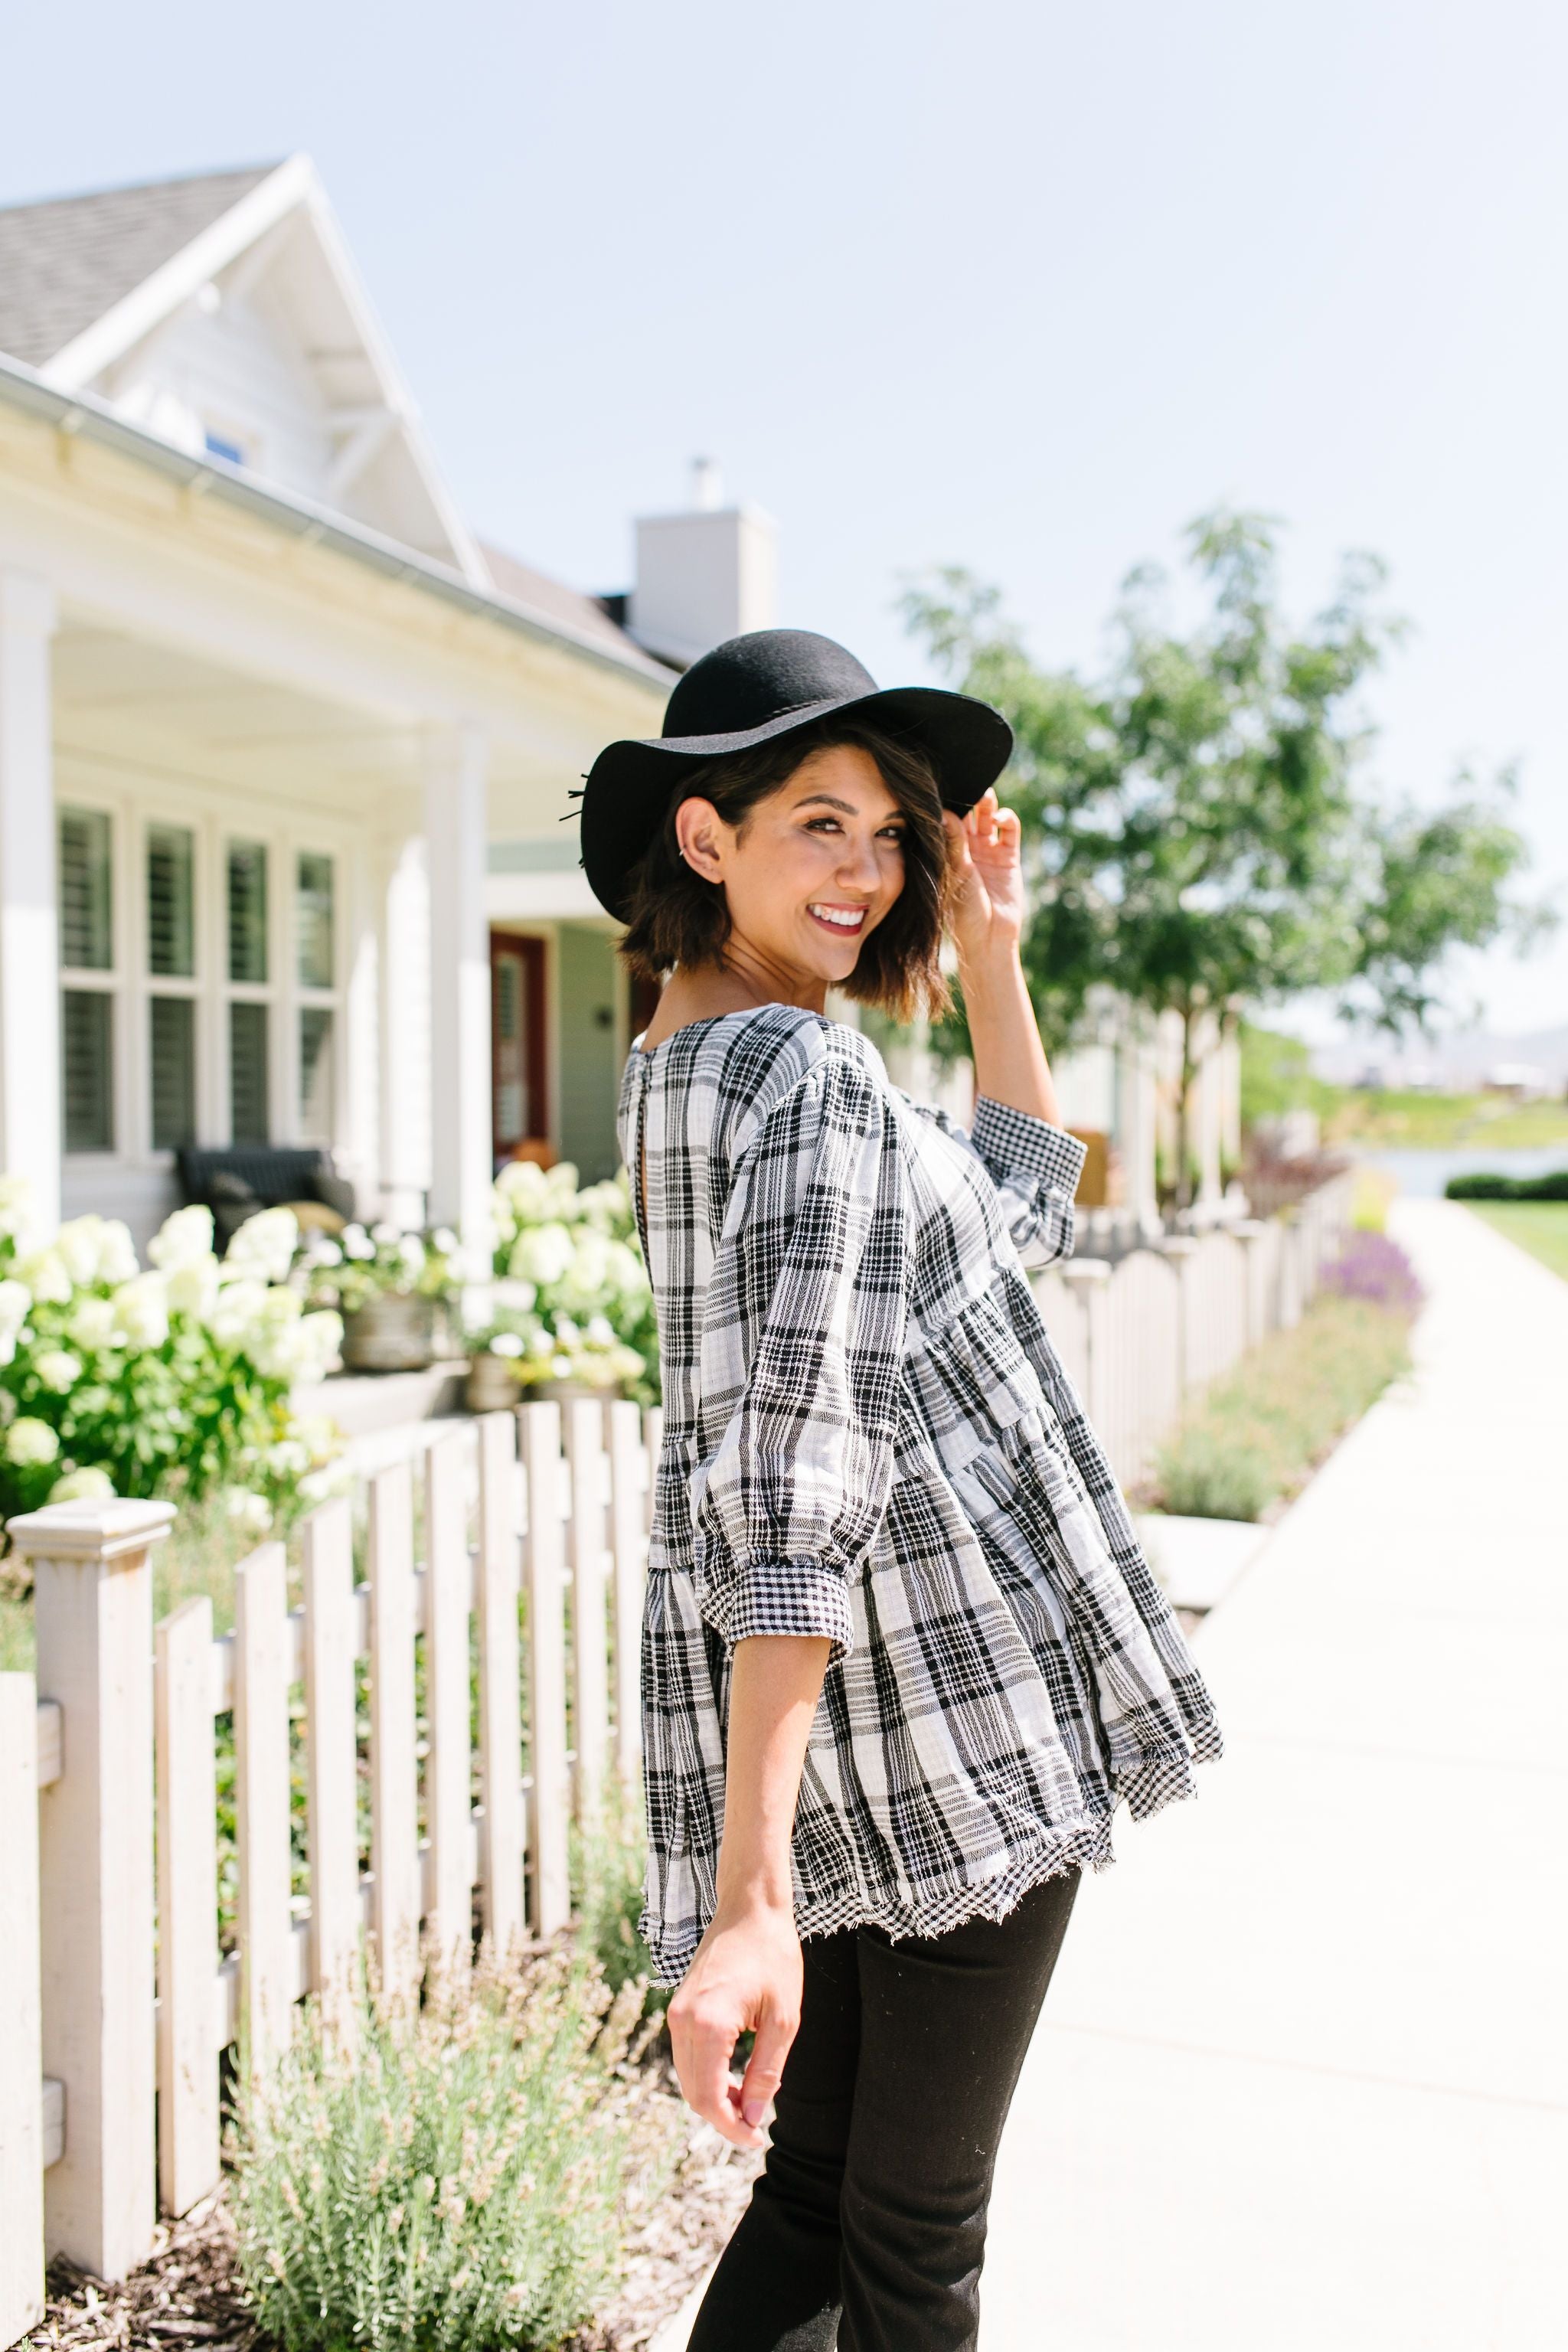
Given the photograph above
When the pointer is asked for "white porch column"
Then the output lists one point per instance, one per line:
(1137, 1115)
(29, 934)
(460, 1128)
(403, 1002)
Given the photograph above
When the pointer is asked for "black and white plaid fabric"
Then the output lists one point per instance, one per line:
(868, 1436)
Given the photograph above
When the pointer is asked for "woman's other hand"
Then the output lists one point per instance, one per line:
(987, 902)
(745, 1977)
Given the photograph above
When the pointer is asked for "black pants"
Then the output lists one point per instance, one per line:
(867, 2228)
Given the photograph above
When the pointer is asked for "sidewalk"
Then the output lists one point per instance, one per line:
(1302, 2081)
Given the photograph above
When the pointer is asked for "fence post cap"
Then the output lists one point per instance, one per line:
(1178, 1245)
(1249, 1229)
(1086, 1270)
(89, 1530)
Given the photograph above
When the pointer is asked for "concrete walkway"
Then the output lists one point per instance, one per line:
(1302, 2082)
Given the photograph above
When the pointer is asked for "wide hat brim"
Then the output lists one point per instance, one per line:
(628, 788)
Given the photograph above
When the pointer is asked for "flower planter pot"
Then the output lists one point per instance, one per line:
(492, 1384)
(393, 1333)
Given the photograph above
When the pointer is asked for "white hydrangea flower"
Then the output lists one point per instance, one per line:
(288, 1458)
(47, 1276)
(142, 1311)
(92, 1323)
(263, 1249)
(58, 1369)
(505, 1343)
(194, 1287)
(116, 1260)
(238, 1312)
(514, 1297)
(182, 1240)
(250, 1514)
(30, 1443)
(320, 1338)
(386, 1232)
(320, 1486)
(445, 1240)
(542, 1254)
(79, 1245)
(88, 1484)
(15, 1303)
(357, 1244)
(411, 1249)
(324, 1251)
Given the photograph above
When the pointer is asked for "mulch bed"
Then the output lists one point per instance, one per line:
(188, 2293)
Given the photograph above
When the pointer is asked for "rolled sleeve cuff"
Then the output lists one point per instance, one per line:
(782, 1596)
(1027, 1146)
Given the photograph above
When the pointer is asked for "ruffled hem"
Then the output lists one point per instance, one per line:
(1157, 1781)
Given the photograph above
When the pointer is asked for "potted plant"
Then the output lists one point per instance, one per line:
(386, 1284)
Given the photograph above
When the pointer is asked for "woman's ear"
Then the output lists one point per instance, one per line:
(699, 829)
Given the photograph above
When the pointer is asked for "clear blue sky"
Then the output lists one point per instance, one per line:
(1020, 285)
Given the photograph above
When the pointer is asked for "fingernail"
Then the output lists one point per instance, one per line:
(753, 2111)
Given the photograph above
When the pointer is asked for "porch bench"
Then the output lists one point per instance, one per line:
(240, 1179)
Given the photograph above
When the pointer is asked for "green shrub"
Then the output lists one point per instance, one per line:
(459, 2180)
(1259, 1434)
(1553, 1186)
(1216, 1473)
(607, 1870)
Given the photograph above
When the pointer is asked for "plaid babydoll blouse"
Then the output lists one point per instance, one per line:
(868, 1436)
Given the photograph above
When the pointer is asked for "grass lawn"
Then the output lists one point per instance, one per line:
(1257, 1437)
(1538, 1226)
(1424, 1122)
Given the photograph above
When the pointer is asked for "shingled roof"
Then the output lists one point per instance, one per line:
(64, 263)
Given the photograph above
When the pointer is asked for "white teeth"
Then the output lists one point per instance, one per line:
(845, 919)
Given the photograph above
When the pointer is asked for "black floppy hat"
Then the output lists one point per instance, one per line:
(751, 690)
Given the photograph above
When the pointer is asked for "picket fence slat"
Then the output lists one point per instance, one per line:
(331, 1645)
(628, 1552)
(586, 1546)
(549, 1884)
(501, 1708)
(394, 1769)
(449, 1763)
(22, 2155)
(188, 2154)
(261, 1799)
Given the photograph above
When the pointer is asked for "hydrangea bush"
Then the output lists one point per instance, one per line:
(572, 1300)
(173, 1380)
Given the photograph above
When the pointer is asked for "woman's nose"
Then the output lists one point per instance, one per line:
(857, 868)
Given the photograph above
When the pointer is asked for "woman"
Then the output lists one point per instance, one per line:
(901, 1654)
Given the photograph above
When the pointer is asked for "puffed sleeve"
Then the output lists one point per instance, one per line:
(802, 1344)
(1034, 1166)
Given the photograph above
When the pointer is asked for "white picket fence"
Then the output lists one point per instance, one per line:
(112, 1988)
(1143, 1338)
(531, 1557)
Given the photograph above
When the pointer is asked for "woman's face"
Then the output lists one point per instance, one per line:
(810, 872)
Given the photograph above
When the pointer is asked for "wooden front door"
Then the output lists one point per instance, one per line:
(519, 1111)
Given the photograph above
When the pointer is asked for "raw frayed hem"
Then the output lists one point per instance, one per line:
(1156, 1781)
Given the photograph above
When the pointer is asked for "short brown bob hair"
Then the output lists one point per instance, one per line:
(677, 917)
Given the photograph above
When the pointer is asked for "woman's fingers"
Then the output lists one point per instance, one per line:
(702, 2051)
(764, 2071)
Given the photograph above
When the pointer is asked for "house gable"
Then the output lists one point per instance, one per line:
(249, 340)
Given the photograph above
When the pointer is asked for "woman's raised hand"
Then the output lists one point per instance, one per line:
(746, 1976)
(987, 903)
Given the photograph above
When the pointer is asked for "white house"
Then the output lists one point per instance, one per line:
(284, 747)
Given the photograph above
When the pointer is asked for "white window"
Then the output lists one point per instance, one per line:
(90, 980)
(200, 983)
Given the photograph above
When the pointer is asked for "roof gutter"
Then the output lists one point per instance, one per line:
(81, 412)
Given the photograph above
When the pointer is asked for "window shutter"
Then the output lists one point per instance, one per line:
(315, 1074)
(86, 890)
(173, 1055)
(170, 902)
(247, 911)
(248, 1086)
(87, 1069)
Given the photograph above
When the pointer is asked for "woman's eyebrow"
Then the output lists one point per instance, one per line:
(845, 808)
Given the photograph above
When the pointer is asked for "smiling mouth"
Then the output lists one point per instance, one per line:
(849, 922)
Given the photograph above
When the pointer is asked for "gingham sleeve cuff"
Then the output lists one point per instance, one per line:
(1026, 1146)
(782, 1596)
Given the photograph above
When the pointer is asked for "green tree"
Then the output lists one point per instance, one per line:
(1198, 826)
